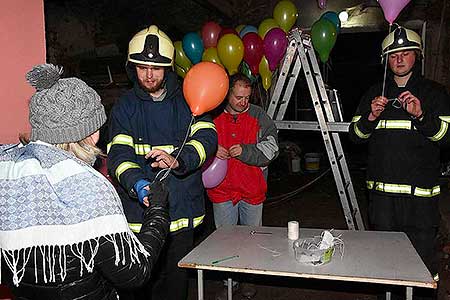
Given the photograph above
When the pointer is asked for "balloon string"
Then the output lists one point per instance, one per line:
(385, 59)
(178, 154)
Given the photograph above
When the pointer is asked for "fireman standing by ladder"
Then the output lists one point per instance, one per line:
(405, 120)
(148, 126)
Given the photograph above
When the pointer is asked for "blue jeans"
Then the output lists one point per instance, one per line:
(226, 213)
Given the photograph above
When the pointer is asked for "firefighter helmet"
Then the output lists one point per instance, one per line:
(401, 39)
(151, 46)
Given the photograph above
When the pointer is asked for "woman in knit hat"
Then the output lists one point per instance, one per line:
(63, 234)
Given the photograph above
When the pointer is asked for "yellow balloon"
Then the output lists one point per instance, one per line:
(265, 26)
(181, 71)
(181, 58)
(239, 28)
(231, 52)
(285, 14)
(210, 54)
(266, 74)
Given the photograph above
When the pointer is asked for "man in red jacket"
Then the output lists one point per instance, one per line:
(248, 140)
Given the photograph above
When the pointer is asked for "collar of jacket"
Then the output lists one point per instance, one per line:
(170, 84)
(235, 117)
(412, 81)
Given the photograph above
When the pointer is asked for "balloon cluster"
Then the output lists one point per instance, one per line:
(250, 50)
(253, 51)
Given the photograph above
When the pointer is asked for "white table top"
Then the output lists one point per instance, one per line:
(369, 256)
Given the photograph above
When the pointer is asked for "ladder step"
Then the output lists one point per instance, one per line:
(347, 184)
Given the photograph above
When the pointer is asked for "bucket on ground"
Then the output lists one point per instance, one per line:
(312, 162)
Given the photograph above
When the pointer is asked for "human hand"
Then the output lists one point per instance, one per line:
(141, 187)
(411, 104)
(377, 107)
(235, 150)
(222, 153)
(162, 159)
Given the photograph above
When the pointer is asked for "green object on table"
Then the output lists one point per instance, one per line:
(224, 259)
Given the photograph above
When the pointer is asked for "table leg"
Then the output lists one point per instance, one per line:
(409, 293)
(200, 284)
(230, 289)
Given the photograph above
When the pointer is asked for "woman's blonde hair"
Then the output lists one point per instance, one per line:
(84, 149)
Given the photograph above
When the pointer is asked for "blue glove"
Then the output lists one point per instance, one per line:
(139, 189)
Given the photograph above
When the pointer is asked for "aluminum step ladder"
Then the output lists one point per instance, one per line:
(300, 53)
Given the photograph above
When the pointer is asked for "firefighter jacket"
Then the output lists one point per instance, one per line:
(403, 152)
(139, 124)
(247, 173)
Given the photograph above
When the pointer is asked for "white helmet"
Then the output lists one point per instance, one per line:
(152, 47)
(401, 39)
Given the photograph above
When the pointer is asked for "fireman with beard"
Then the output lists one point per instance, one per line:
(148, 127)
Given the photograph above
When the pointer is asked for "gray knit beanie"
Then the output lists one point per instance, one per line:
(62, 110)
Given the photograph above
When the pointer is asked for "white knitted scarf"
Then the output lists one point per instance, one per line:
(50, 200)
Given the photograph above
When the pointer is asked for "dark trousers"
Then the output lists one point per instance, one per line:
(419, 222)
(168, 281)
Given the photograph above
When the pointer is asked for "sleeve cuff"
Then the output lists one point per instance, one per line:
(181, 169)
(365, 125)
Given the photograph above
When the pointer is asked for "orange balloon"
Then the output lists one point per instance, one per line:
(205, 86)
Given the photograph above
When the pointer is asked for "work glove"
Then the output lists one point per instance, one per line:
(158, 194)
(139, 188)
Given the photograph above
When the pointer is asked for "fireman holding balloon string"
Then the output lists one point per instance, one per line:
(405, 120)
(155, 134)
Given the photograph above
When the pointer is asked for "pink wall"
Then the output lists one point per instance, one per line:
(22, 40)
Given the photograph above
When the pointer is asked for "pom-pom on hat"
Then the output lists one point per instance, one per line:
(62, 110)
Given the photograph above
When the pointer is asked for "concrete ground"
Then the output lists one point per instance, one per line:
(317, 206)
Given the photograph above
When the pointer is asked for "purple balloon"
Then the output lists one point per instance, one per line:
(322, 4)
(275, 43)
(392, 9)
(213, 172)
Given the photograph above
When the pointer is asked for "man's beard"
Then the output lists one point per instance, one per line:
(153, 89)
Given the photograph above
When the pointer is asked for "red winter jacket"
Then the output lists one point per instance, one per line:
(246, 174)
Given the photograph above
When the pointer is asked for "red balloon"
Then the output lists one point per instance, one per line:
(210, 34)
(227, 31)
(205, 86)
(253, 51)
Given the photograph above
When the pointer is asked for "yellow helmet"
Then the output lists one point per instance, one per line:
(401, 39)
(152, 47)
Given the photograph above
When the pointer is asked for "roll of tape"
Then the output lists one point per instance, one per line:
(293, 230)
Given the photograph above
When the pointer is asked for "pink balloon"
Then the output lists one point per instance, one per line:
(322, 4)
(275, 43)
(253, 51)
(392, 8)
(213, 172)
(210, 34)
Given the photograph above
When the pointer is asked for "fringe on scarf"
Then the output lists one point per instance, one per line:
(54, 257)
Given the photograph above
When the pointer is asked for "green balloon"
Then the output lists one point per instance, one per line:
(245, 69)
(323, 36)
